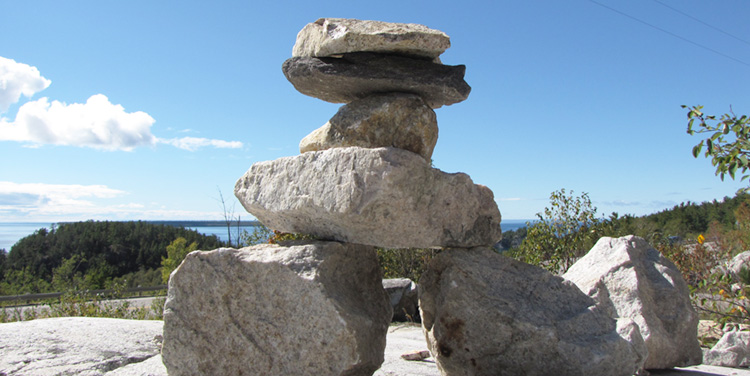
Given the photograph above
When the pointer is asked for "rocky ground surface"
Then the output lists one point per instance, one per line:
(113, 347)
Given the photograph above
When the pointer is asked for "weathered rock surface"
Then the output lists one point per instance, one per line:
(486, 314)
(404, 297)
(399, 120)
(76, 345)
(307, 309)
(361, 74)
(628, 278)
(385, 197)
(335, 36)
(732, 350)
(737, 263)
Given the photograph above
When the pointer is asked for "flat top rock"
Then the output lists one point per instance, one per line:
(335, 36)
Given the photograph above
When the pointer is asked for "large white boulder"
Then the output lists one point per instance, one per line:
(79, 346)
(335, 36)
(732, 350)
(630, 279)
(385, 197)
(305, 309)
(486, 314)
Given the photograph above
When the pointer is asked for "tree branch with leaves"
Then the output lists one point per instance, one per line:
(728, 145)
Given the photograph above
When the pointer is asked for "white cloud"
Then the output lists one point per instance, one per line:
(193, 143)
(19, 200)
(18, 79)
(97, 124)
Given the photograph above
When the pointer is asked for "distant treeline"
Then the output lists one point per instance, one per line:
(685, 220)
(206, 223)
(92, 255)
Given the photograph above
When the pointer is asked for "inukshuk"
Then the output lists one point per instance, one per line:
(363, 180)
(365, 176)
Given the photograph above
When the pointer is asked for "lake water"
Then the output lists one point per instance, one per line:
(11, 232)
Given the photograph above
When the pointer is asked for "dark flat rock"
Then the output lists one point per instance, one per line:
(357, 75)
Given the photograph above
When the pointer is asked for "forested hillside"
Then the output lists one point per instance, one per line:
(91, 255)
(684, 221)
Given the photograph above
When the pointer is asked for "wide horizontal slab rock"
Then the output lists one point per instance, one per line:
(487, 314)
(306, 309)
(358, 75)
(629, 278)
(77, 345)
(335, 36)
(399, 120)
(385, 197)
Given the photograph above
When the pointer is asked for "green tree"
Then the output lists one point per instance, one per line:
(728, 145)
(564, 232)
(68, 276)
(176, 252)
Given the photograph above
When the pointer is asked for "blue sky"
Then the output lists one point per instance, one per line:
(149, 109)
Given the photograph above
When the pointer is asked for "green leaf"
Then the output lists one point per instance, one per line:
(710, 145)
(697, 149)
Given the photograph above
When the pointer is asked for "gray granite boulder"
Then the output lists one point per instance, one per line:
(399, 120)
(732, 350)
(739, 262)
(486, 314)
(304, 309)
(361, 74)
(629, 278)
(384, 197)
(404, 297)
(78, 346)
(335, 36)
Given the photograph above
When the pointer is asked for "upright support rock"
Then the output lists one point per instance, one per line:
(307, 309)
(486, 314)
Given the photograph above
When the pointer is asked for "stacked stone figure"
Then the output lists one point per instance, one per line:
(364, 180)
(365, 176)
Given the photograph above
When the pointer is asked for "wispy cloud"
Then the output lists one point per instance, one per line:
(17, 79)
(97, 124)
(38, 202)
(622, 203)
(510, 199)
(194, 143)
(19, 199)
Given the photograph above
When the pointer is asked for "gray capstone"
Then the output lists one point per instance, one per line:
(358, 75)
(487, 314)
(399, 120)
(385, 197)
(335, 36)
(306, 309)
(629, 278)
